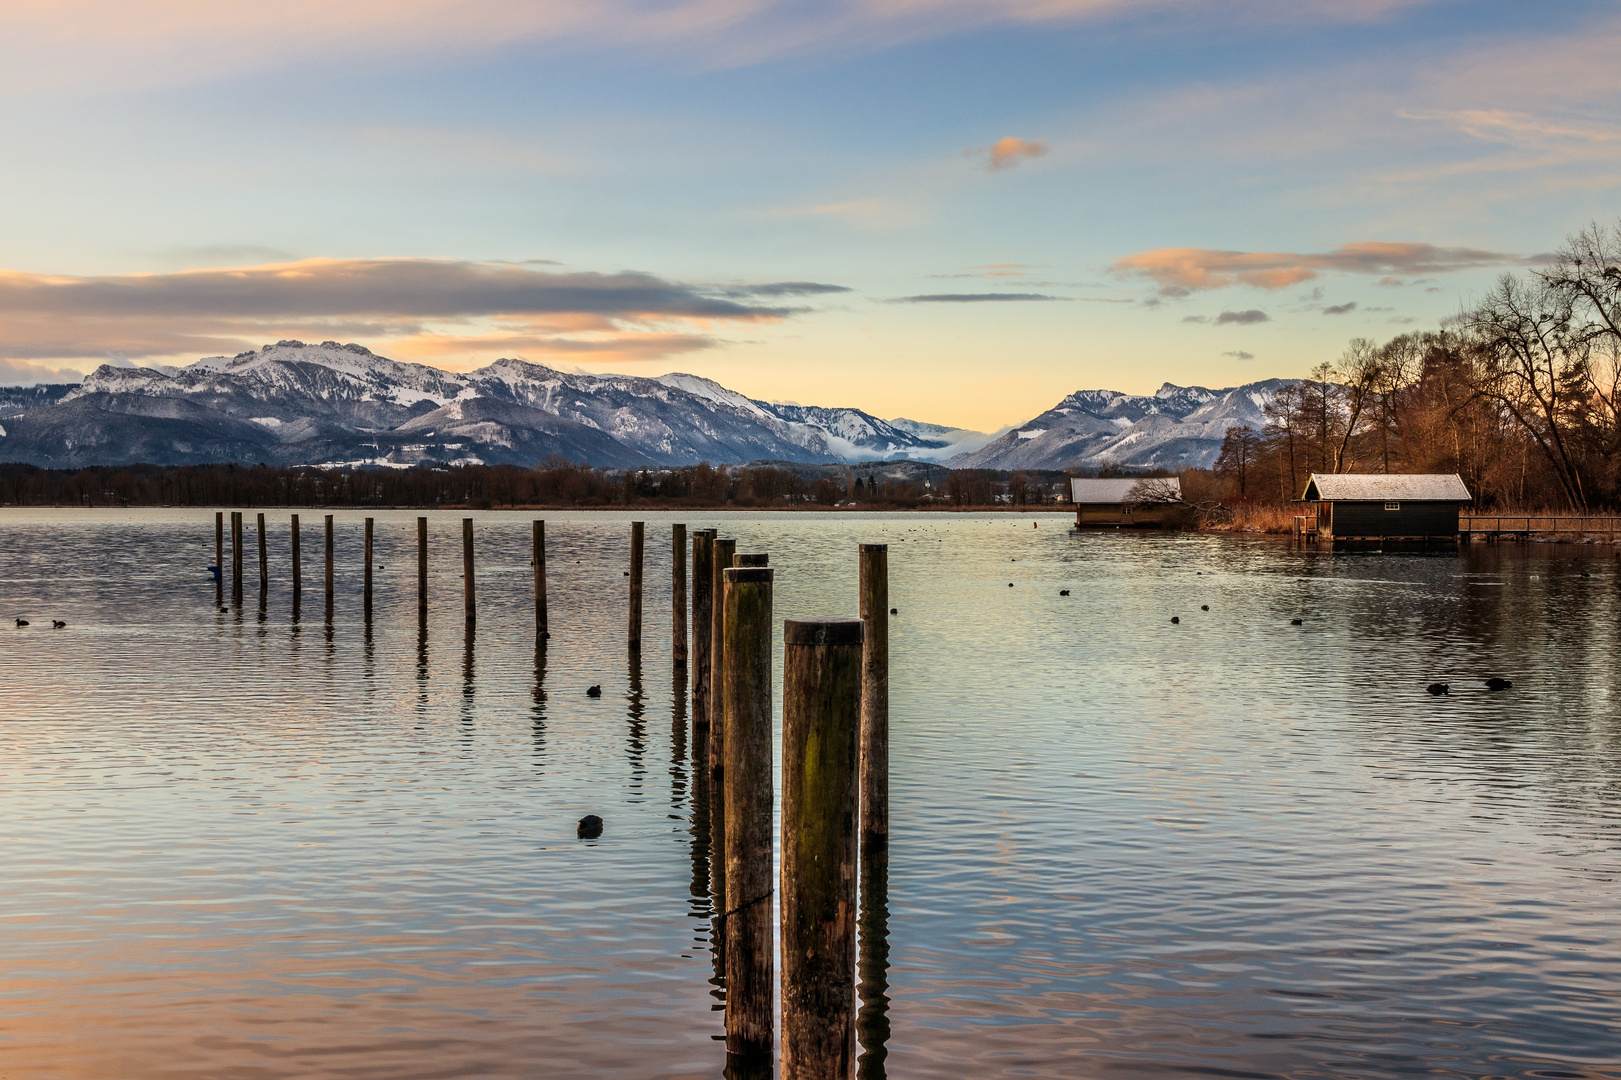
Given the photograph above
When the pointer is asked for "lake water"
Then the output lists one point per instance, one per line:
(239, 846)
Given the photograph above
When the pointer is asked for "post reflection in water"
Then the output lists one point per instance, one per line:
(872, 965)
(467, 681)
(702, 905)
(537, 711)
(422, 666)
(678, 738)
(636, 735)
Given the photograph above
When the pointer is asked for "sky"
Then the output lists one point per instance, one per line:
(955, 211)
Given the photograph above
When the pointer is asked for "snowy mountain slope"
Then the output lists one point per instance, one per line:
(1177, 426)
(313, 404)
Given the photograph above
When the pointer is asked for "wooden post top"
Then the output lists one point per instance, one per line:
(737, 574)
(824, 631)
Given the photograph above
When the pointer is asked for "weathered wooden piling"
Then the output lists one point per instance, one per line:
(753, 558)
(874, 585)
(422, 569)
(366, 591)
(329, 566)
(678, 594)
(467, 570)
(236, 557)
(298, 560)
(748, 797)
(703, 599)
(264, 563)
(637, 536)
(538, 539)
(723, 550)
(821, 700)
(219, 556)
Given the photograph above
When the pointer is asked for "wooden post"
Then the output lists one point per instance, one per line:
(703, 599)
(219, 556)
(422, 569)
(637, 535)
(539, 560)
(748, 801)
(821, 703)
(366, 600)
(874, 584)
(298, 562)
(236, 557)
(678, 594)
(467, 570)
(757, 558)
(264, 568)
(329, 566)
(724, 549)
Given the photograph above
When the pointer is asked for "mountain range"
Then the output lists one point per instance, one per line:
(329, 404)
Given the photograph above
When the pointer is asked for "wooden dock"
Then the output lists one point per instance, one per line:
(1495, 527)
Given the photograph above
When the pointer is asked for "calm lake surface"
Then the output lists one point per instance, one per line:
(242, 846)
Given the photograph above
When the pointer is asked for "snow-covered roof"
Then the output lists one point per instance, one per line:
(1126, 489)
(1382, 487)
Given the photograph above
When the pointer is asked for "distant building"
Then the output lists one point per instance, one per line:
(1386, 506)
(1131, 503)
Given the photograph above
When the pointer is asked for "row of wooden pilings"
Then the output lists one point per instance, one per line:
(835, 754)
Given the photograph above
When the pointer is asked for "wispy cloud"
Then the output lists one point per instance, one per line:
(971, 298)
(1240, 354)
(1229, 318)
(424, 306)
(1179, 271)
(1340, 309)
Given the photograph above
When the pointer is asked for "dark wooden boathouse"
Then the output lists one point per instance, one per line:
(1416, 507)
(1130, 502)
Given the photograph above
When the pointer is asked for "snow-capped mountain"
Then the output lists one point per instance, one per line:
(1178, 426)
(292, 403)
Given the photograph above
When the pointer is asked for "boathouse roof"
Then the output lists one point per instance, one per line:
(1383, 487)
(1125, 489)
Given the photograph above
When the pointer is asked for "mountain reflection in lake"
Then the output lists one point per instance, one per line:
(256, 847)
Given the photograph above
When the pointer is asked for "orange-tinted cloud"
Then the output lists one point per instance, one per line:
(431, 302)
(1009, 151)
(1183, 270)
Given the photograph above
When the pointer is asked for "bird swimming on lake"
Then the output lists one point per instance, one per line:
(1499, 684)
(1063, 592)
(1175, 619)
(58, 624)
(1438, 689)
(589, 828)
(22, 622)
(1204, 607)
(1297, 622)
(593, 691)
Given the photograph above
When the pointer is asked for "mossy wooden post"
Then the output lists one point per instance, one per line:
(874, 584)
(821, 719)
(366, 589)
(753, 558)
(467, 571)
(746, 688)
(236, 557)
(219, 556)
(264, 563)
(538, 539)
(422, 569)
(703, 570)
(724, 549)
(329, 566)
(298, 561)
(638, 532)
(678, 595)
